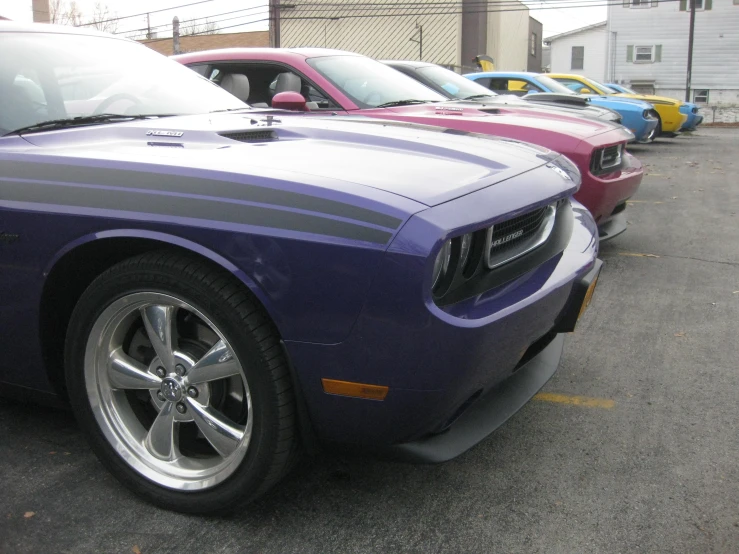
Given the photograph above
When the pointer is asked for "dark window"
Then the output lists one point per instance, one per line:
(700, 96)
(578, 57)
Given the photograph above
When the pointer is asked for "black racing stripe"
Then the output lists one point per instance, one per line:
(213, 210)
(192, 185)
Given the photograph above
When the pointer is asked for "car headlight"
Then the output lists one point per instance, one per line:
(606, 160)
(464, 249)
(441, 265)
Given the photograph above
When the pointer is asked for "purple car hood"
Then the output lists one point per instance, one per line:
(427, 165)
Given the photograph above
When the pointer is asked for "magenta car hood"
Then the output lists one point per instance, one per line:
(501, 114)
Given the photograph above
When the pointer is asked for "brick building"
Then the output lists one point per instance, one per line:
(197, 43)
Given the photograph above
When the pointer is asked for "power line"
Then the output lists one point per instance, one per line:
(193, 19)
(587, 3)
(144, 13)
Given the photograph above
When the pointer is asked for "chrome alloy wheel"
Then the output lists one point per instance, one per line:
(168, 391)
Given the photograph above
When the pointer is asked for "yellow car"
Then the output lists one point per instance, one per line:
(668, 108)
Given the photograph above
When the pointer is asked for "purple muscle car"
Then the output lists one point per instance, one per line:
(214, 287)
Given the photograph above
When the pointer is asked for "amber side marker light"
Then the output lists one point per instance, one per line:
(355, 390)
(588, 297)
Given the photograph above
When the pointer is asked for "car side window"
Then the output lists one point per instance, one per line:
(484, 81)
(266, 80)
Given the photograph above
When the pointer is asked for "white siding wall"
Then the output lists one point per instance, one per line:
(595, 43)
(715, 53)
(508, 38)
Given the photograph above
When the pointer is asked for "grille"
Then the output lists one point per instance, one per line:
(526, 224)
(517, 236)
(251, 136)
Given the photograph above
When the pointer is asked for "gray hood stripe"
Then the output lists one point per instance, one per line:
(192, 185)
(197, 208)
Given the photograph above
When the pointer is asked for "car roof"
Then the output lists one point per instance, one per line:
(225, 54)
(505, 73)
(409, 63)
(7, 26)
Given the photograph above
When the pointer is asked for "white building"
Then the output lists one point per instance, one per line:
(582, 51)
(648, 45)
(450, 34)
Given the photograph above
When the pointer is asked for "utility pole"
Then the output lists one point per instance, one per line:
(274, 23)
(690, 50)
(419, 41)
(176, 35)
(148, 27)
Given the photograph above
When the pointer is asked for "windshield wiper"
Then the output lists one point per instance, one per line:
(402, 103)
(476, 96)
(80, 121)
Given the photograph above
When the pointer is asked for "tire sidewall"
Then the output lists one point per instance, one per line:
(246, 480)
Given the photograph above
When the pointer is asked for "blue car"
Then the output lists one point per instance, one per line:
(688, 108)
(638, 116)
(213, 287)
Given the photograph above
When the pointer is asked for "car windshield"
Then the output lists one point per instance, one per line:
(52, 76)
(554, 86)
(626, 90)
(456, 85)
(601, 86)
(369, 83)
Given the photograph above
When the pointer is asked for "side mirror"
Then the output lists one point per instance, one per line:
(585, 90)
(289, 100)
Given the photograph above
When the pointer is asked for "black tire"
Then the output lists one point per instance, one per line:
(657, 130)
(251, 335)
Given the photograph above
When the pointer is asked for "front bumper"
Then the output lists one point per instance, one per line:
(492, 410)
(602, 194)
(437, 361)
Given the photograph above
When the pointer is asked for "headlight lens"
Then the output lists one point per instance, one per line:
(441, 265)
(464, 249)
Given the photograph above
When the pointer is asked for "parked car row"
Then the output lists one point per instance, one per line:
(318, 250)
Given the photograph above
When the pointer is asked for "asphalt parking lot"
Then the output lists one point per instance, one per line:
(633, 447)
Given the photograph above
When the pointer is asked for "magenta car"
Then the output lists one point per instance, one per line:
(332, 81)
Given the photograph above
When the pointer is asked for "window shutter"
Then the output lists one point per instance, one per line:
(630, 53)
(683, 5)
(658, 53)
(707, 4)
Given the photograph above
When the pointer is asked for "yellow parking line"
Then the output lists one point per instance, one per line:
(575, 400)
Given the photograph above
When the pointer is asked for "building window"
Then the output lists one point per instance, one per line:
(644, 54)
(642, 3)
(578, 57)
(534, 40)
(700, 96)
(699, 5)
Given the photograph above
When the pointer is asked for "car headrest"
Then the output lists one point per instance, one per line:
(287, 82)
(237, 84)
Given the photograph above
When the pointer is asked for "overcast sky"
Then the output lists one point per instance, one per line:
(251, 14)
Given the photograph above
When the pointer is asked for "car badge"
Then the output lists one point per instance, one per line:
(164, 133)
(559, 171)
(445, 110)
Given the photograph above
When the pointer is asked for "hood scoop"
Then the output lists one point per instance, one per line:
(494, 111)
(251, 136)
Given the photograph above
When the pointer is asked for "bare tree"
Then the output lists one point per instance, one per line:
(103, 19)
(62, 12)
(208, 27)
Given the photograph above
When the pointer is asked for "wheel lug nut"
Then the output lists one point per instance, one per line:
(161, 372)
(181, 407)
(160, 396)
(179, 369)
(192, 392)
